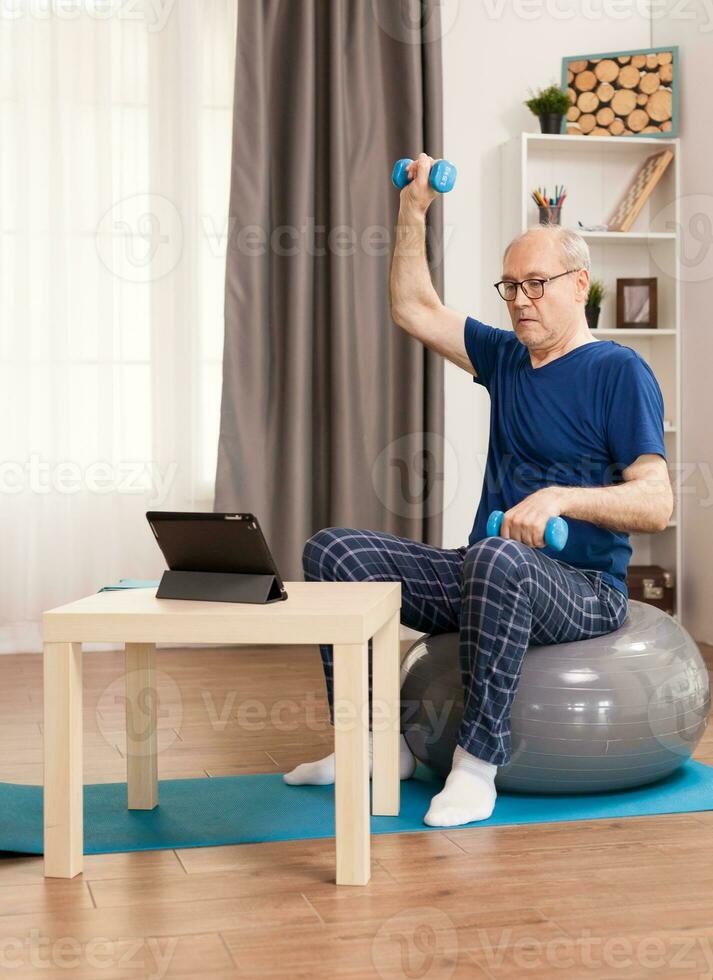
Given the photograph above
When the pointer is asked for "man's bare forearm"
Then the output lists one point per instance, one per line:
(639, 505)
(411, 285)
(643, 502)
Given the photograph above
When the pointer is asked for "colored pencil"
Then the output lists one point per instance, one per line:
(543, 200)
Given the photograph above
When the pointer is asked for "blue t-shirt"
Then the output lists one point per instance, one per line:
(577, 421)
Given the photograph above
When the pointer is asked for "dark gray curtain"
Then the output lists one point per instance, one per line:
(331, 415)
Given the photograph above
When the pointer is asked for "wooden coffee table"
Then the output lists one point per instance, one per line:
(346, 614)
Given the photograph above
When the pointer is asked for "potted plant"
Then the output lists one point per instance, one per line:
(550, 105)
(593, 305)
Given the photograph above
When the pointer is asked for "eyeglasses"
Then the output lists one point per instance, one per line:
(532, 288)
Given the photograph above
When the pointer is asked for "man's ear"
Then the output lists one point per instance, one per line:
(582, 285)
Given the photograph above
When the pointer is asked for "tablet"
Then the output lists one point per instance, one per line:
(217, 543)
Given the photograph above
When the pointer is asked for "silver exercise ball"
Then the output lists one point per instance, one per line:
(613, 712)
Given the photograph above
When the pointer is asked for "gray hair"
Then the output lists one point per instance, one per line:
(574, 248)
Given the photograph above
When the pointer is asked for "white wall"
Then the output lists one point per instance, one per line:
(492, 56)
(692, 29)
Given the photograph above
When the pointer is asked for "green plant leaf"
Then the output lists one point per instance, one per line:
(551, 99)
(596, 293)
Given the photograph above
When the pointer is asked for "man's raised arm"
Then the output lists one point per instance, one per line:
(415, 305)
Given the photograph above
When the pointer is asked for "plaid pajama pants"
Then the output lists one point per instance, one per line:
(499, 594)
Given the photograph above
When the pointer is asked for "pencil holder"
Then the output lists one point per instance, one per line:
(550, 215)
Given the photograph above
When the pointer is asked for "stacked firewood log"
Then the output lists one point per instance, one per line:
(626, 95)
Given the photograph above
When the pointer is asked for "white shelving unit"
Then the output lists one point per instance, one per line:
(596, 170)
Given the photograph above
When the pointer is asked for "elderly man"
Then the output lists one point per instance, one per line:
(576, 430)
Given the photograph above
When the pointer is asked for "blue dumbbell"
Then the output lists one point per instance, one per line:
(556, 531)
(442, 177)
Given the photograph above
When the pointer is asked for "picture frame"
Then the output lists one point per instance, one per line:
(637, 303)
(623, 93)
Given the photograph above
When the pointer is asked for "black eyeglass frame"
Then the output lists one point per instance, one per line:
(512, 282)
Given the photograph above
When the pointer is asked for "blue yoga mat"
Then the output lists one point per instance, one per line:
(252, 808)
(131, 583)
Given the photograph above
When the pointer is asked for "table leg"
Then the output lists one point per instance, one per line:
(386, 721)
(63, 771)
(141, 715)
(351, 747)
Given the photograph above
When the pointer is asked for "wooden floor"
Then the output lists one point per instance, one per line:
(608, 898)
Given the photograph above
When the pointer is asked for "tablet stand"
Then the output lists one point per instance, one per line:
(219, 587)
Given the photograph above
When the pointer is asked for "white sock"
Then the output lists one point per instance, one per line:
(469, 793)
(321, 772)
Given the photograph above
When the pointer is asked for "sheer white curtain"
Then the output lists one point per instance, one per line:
(115, 127)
